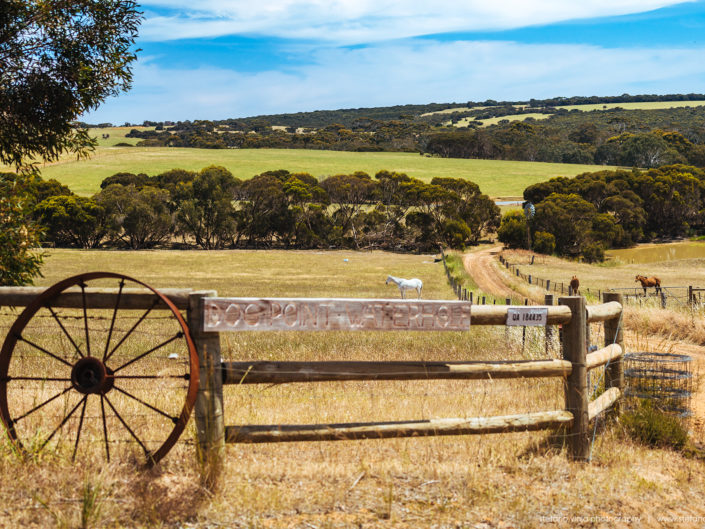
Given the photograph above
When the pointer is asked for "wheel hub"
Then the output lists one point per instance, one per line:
(91, 376)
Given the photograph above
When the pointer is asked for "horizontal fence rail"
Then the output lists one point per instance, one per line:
(386, 430)
(603, 402)
(130, 298)
(604, 356)
(262, 372)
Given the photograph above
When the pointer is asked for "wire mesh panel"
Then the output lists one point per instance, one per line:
(666, 379)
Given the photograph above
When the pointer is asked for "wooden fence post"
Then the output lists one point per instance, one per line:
(614, 333)
(548, 284)
(548, 333)
(210, 426)
(523, 329)
(576, 395)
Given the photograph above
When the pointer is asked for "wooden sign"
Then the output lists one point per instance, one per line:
(527, 316)
(347, 314)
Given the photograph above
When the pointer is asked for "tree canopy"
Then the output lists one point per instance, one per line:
(612, 209)
(58, 60)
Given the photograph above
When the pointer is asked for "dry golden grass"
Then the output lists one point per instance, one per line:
(513, 480)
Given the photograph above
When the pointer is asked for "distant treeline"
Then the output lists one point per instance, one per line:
(211, 209)
(346, 117)
(583, 216)
(633, 138)
(366, 135)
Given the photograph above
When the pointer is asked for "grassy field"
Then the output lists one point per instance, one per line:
(514, 480)
(495, 178)
(115, 135)
(654, 253)
(493, 121)
(649, 105)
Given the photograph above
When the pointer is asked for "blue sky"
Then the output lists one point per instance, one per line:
(218, 59)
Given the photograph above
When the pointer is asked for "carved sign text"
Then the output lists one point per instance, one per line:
(280, 314)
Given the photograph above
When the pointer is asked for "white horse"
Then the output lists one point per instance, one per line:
(406, 284)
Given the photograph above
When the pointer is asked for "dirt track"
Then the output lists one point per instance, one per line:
(479, 266)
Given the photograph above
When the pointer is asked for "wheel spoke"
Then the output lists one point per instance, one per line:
(105, 428)
(112, 322)
(42, 405)
(65, 331)
(172, 419)
(185, 376)
(146, 452)
(164, 343)
(62, 422)
(154, 304)
(80, 426)
(85, 318)
(39, 348)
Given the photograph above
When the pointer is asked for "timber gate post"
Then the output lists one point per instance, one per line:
(210, 426)
(548, 329)
(575, 351)
(614, 333)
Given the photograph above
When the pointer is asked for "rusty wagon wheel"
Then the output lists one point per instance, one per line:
(93, 375)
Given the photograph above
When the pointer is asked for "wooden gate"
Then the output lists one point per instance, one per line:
(210, 315)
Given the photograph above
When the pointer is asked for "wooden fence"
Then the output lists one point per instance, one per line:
(230, 314)
(208, 316)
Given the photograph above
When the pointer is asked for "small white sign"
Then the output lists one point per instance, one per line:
(527, 316)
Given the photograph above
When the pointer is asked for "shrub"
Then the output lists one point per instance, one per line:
(72, 220)
(455, 233)
(512, 231)
(19, 262)
(649, 425)
(544, 242)
(593, 253)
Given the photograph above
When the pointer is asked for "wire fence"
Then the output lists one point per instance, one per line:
(690, 297)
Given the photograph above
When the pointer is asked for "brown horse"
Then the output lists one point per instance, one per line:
(575, 285)
(649, 282)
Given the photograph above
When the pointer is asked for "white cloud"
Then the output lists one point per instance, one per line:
(405, 72)
(359, 21)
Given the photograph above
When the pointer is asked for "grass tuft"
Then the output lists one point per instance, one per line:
(653, 427)
(91, 504)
